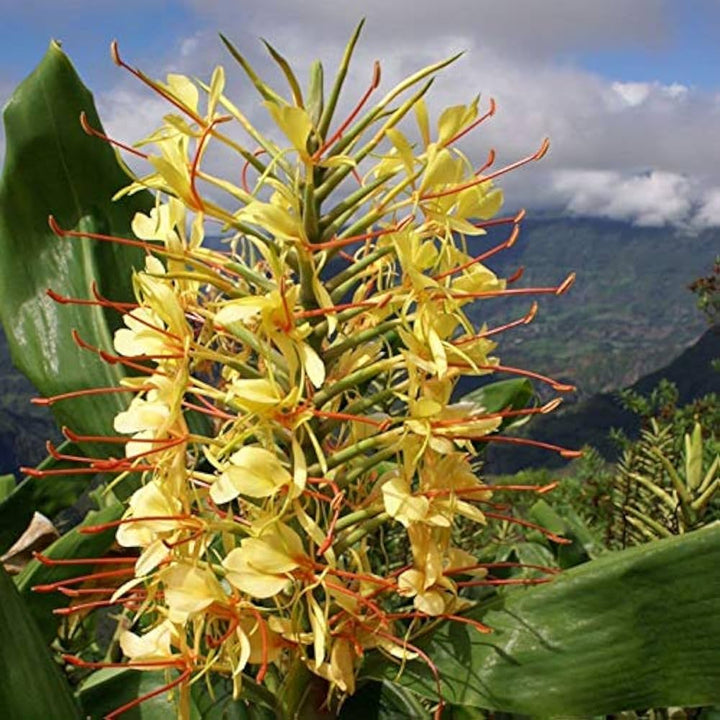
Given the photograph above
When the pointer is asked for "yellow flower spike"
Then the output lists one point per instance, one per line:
(294, 395)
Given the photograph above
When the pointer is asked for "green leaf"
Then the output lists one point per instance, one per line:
(7, 485)
(32, 685)
(53, 167)
(218, 704)
(73, 544)
(382, 701)
(110, 688)
(512, 394)
(634, 629)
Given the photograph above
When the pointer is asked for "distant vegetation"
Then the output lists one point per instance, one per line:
(629, 312)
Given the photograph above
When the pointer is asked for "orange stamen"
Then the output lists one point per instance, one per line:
(473, 125)
(92, 529)
(46, 560)
(563, 452)
(52, 587)
(517, 219)
(64, 300)
(79, 662)
(212, 411)
(339, 132)
(115, 54)
(537, 155)
(75, 437)
(509, 581)
(159, 691)
(82, 393)
(532, 526)
(515, 276)
(81, 607)
(342, 242)
(380, 424)
(60, 232)
(405, 645)
(554, 384)
(470, 568)
(525, 320)
(35, 472)
(265, 645)
(232, 626)
(488, 163)
(96, 133)
(199, 205)
(484, 256)
(246, 167)
(563, 287)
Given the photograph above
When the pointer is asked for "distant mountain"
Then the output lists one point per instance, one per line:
(629, 312)
(589, 421)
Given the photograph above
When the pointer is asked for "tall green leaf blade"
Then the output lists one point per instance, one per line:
(53, 167)
(32, 685)
(634, 629)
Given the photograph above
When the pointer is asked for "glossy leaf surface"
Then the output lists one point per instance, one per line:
(32, 684)
(53, 168)
(633, 629)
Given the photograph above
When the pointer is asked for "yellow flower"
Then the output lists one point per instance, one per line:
(189, 590)
(260, 567)
(251, 471)
(152, 645)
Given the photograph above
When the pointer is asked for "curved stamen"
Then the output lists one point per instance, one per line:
(89, 130)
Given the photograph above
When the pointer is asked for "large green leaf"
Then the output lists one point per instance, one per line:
(73, 544)
(32, 686)
(633, 629)
(53, 167)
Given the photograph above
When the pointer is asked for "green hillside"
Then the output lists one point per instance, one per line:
(589, 421)
(629, 312)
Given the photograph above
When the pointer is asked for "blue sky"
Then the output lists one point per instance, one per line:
(628, 90)
(683, 49)
(686, 51)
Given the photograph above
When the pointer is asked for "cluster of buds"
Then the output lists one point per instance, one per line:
(291, 392)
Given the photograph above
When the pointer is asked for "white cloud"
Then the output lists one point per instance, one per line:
(708, 213)
(652, 199)
(633, 93)
(629, 148)
(636, 93)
